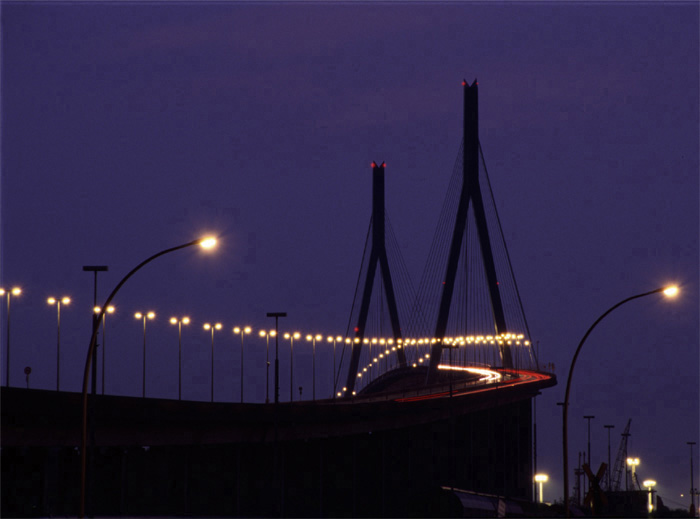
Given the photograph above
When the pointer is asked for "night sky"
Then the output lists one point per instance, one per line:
(130, 128)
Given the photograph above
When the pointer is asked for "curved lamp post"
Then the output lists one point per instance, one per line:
(206, 243)
(668, 292)
(15, 292)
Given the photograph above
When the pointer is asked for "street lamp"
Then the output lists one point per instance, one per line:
(670, 291)
(58, 302)
(267, 335)
(149, 315)
(110, 310)
(242, 332)
(334, 340)
(179, 322)
(649, 484)
(633, 463)
(95, 321)
(313, 339)
(15, 292)
(541, 479)
(277, 315)
(205, 243)
(216, 326)
(291, 337)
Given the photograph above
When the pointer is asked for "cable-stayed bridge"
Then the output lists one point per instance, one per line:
(431, 389)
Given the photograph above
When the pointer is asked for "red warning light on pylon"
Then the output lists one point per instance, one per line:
(374, 164)
(357, 329)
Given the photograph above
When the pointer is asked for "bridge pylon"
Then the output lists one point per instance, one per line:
(377, 258)
(471, 192)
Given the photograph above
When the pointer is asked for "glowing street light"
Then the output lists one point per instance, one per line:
(291, 337)
(179, 322)
(242, 332)
(649, 484)
(313, 339)
(216, 326)
(58, 302)
(206, 243)
(15, 292)
(97, 310)
(541, 479)
(267, 335)
(669, 291)
(139, 315)
(633, 463)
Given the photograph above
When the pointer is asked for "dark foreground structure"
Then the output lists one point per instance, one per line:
(447, 437)
(387, 455)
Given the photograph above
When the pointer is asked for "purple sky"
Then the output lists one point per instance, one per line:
(131, 128)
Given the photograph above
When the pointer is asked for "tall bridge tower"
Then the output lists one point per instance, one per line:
(471, 192)
(377, 258)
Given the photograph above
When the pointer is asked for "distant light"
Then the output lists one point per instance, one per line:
(543, 478)
(649, 483)
(173, 320)
(185, 320)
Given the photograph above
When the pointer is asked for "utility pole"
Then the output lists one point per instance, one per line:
(692, 483)
(589, 418)
(608, 427)
(277, 476)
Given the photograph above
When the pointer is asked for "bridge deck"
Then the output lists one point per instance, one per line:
(33, 417)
